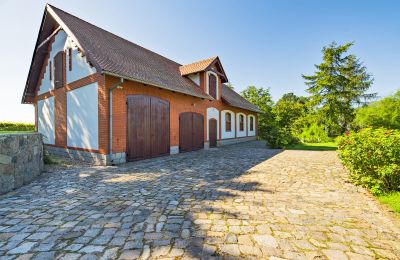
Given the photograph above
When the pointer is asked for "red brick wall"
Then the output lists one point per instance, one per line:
(178, 103)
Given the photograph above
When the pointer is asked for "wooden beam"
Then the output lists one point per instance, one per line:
(48, 38)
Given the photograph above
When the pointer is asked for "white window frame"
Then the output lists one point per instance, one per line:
(238, 132)
(251, 133)
(224, 133)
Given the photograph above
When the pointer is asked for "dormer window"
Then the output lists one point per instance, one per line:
(212, 84)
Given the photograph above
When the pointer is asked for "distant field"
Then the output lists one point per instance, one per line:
(15, 127)
(331, 146)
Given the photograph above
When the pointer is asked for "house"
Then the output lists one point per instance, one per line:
(102, 98)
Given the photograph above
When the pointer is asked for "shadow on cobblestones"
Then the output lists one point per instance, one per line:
(160, 207)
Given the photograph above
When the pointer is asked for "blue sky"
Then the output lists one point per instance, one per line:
(261, 43)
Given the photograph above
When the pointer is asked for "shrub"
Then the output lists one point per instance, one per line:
(372, 157)
(278, 137)
(10, 126)
(314, 134)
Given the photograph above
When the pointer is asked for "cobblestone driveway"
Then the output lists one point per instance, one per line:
(242, 201)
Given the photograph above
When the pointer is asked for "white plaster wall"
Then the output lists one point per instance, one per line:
(240, 133)
(80, 66)
(46, 127)
(212, 113)
(224, 133)
(57, 46)
(251, 133)
(195, 78)
(82, 117)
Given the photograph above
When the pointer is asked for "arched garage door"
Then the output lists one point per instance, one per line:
(191, 131)
(147, 127)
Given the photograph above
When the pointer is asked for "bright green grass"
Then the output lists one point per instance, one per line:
(15, 132)
(392, 200)
(331, 146)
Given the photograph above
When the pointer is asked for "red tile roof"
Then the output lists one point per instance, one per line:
(196, 66)
(113, 55)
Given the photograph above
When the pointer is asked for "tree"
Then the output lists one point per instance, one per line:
(381, 113)
(339, 84)
(262, 98)
(289, 108)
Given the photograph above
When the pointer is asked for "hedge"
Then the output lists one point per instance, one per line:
(372, 157)
(10, 126)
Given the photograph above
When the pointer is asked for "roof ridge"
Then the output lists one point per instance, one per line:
(130, 42)
(199, 61)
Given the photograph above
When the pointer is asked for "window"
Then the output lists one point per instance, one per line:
(59, 70)
(251, 123)
(212, 85)
(70, 59)
(228, 120)
(241, 123)
(50, 71)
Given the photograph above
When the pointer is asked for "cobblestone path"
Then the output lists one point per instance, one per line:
(239, 201)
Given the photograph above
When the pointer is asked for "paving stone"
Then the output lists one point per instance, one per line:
(130, 254)
(111, 253)
(45, 256)
(239, 201)
(92, 249)
(265, 240)
(230, 249)
(23, 248)
(335, 254)
(70, 256)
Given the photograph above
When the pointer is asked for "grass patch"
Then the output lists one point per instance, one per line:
(392, 201)
(331, 146)
(15, 132)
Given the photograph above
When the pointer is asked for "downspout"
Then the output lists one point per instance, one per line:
(110, 91)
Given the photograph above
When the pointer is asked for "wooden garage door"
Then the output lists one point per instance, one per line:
(147, 127)
(191, 131)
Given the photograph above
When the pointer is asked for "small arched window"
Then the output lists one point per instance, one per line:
(228, 122)
(241, 123)
(212, 85)
(251, 123)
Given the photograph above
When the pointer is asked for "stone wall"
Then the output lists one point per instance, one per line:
(21, 159)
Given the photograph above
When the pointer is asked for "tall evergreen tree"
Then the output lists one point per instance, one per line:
(339, 84)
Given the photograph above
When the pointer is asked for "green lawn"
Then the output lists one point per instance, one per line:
(15, 132)
(331, 146)
(391, 200)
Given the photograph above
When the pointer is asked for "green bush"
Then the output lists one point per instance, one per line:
(10, 126)
(372, 157)
(278, 137)
(314, 134)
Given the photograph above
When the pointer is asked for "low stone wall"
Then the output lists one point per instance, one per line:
(84, 156)
(21, 159)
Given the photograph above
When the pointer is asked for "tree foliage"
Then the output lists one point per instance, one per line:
(262, 98)
(339, 84)
(382, 113)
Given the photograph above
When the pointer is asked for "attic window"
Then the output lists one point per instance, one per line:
(70, 59)
(59, 70)
(50, 71)
(212, 85)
